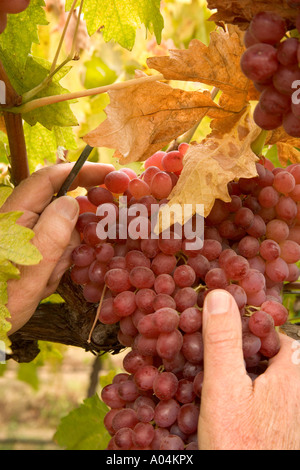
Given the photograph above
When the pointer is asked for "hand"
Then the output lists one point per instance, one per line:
(10, 6)
(236, 413)
(55, 233)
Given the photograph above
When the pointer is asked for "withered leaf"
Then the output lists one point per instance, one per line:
(209, 166)
(241, 12)
(288, 147)
(146, 117)
(217, 65)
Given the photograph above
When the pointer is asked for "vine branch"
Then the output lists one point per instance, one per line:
(19, 168)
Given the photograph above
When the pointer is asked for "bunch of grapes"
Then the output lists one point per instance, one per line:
(155, 289)
(271, 61)
(10, 6)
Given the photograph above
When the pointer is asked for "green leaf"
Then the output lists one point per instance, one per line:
(5, 191)
(83, 428)
(119, 19)
(15, 241)
(42, 144)
(36, 70)
(20, 33)
(5, 326)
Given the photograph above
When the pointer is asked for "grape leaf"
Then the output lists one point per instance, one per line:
(83, 428)
(240, 13)
(15, 241)
(5, 191)
(119, 20)
(288, 147)
(42, 144)
(209, 166)
(145, 117)
(217, 64)
(20, 33)
(36, 69)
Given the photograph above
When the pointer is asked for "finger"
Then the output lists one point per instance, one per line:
(222, 338)
(288, 356)
(36, 192)
(52, 237)
(63, 264)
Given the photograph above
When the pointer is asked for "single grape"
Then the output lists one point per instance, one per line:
(287, 51)
(161, 185)
(268, 27)
(259, 62)
(139, 188)
(117, 182)
(192, 347)
(261, 323)
(187, 419)
(190, 320)
(165, 385)
(99, 196)
(173, 161)
(166, 413)
(266, 120)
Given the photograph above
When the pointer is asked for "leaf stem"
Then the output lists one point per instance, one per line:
(41, 102)
(54, 70)
(259, 143)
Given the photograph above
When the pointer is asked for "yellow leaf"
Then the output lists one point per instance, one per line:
(287, 146)
(225, 155)
(144, 118)
(216, 65)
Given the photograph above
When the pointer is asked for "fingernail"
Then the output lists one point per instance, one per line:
(217, 302)
(67, 207)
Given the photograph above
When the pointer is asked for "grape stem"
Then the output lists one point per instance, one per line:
(41, 102)
(259, 143)
(97, 315)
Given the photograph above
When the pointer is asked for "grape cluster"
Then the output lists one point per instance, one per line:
(155, 290)
(10, 6)
(271, 61)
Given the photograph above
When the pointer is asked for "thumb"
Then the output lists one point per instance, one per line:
(222, 340)
(53, 233)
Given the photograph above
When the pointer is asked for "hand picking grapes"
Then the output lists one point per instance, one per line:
(206, 367)
(10, 6)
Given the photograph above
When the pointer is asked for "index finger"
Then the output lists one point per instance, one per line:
(36, 192)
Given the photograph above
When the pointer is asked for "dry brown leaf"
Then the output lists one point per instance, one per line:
(217, 65)
(223, 156)
(240, 12)
(287, 146)
(144, 118)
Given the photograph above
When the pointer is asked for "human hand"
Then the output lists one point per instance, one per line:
(10, 6)
(55, 235)
(236, 413)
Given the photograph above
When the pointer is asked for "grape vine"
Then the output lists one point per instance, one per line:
(155, 289)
